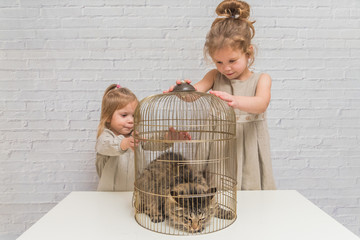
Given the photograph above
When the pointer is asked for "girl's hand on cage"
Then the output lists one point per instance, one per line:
(128, 142)
(230, 99)
(134, 134)
(178, 82)
(172, 134)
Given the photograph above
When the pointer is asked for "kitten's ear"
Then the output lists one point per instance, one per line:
(212, 190)
(174, 193)
(180, 157)
(176, 156)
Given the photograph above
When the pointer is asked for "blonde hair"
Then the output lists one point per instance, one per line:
(115, 97)
(231, 29)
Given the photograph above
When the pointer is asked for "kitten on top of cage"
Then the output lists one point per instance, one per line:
(169, 188)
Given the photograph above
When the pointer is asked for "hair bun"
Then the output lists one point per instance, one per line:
(233, 8)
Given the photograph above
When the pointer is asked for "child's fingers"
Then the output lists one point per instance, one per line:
(134, 141)
(187, 136)
(216, 93)
(171, 88)
(222, 95)
(187, 81)
(178, 82)
(134, 134)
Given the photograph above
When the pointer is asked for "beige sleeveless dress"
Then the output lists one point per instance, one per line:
(253, 142)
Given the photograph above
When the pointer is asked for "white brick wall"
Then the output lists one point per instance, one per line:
(58, 56)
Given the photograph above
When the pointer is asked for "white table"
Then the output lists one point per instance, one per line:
(261, 215)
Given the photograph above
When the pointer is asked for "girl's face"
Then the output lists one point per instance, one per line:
(231, 63)
(122, 121)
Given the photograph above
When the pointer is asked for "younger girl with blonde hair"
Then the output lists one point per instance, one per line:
(115, 142)
(228, 44)
(114, 158)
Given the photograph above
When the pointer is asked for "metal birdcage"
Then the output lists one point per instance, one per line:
(185, 162)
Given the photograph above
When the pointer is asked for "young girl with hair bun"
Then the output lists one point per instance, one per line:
(228, 44)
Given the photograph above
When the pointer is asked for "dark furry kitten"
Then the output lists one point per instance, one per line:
(170, 189)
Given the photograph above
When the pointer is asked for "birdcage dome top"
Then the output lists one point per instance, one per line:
(184, 109)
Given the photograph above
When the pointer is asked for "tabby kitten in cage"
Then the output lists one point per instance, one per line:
(171, 189)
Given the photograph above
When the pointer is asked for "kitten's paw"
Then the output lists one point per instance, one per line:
(229, 215)
(225, 214)
(157, 218)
